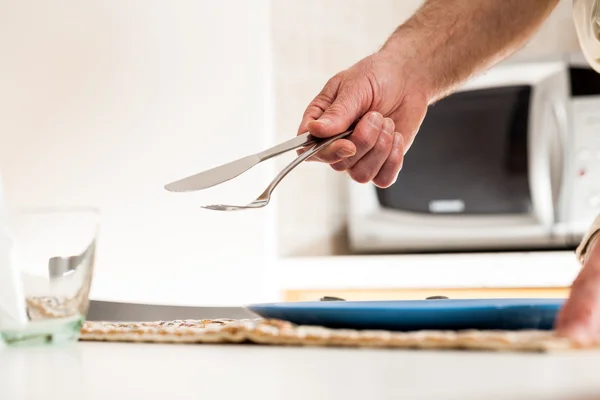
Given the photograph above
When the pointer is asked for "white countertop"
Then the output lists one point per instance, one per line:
(101, 371)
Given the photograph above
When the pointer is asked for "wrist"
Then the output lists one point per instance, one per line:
(406, 53)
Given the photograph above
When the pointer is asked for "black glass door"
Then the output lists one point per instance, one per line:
(469, 157)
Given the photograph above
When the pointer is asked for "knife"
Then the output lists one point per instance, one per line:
(226, 172)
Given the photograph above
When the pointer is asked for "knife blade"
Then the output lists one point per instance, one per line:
(214, 176)
(226, 172)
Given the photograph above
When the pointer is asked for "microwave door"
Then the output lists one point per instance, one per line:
(469, 160)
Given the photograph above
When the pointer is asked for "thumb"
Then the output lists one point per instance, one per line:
(342, 113)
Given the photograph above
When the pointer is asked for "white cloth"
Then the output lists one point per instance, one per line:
(586, 16)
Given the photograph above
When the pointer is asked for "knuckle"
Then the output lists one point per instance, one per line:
(361, 175)
(389, 172)
(386, 178)
(383, 182)
(324, 99)
(314, 109)
(374, 80)
(397, 159)
(334, 81)
(326, 156)
(364, 139)
(338, 108)
(340, 166)
(330, 88)
(389, 125)
(355, 97)
(384, 141)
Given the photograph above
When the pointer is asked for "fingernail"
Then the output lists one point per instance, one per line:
(344, 153)
(398, 139)
(375, 120)
(387, 126)
(324, 121)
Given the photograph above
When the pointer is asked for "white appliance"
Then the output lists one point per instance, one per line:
(511, 161)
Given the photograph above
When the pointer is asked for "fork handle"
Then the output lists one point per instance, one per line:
(320, 144)
(304, 140)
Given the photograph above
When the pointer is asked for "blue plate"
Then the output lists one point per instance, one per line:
(410, 315)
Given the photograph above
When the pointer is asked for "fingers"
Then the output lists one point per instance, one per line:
(333, 153)
(359, 143)
(409, 117)
(333, 112)
(368, 166)
(347, 107)
(338, 150)
(579, 319)
(389, 171)
(320, 103)
(364, 138)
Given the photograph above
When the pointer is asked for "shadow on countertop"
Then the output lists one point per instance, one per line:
(110, 311)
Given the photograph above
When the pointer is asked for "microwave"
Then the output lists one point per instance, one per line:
(510, 161)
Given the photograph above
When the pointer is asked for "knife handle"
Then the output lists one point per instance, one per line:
(299, 141)
(306, 139)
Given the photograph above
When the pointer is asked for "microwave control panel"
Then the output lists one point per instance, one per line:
(584, 202)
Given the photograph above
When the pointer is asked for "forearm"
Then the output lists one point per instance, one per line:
(448, 41)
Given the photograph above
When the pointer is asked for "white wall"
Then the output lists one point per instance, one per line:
(102, 102)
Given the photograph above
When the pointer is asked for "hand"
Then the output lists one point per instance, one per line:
(384, 95)
(579, 318)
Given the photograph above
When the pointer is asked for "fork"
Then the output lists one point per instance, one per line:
(265, 197)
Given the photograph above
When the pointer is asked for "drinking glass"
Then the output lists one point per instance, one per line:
(48, 257)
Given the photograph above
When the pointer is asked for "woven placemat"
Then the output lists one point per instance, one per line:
(275, 332)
